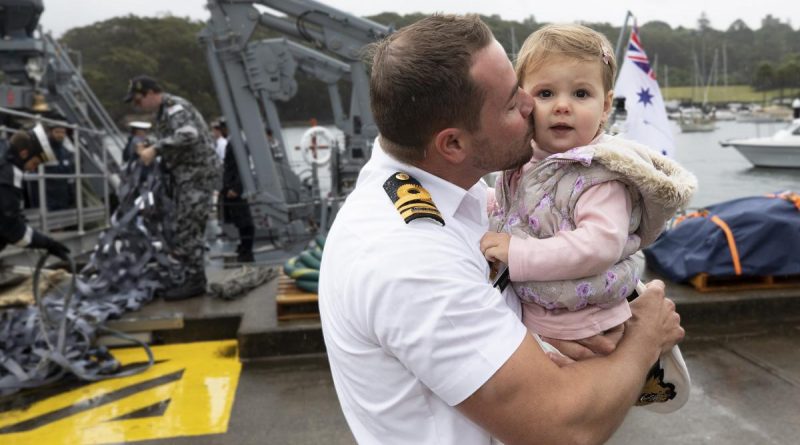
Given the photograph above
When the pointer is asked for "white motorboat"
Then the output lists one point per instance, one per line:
(779, 150)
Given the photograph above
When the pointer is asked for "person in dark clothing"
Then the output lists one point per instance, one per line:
(236, 209)
(138, 135)
(27, 149)
(60, 192)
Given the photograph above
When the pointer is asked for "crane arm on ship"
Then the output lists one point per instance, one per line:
(249, 76)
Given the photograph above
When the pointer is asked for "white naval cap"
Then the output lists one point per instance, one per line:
(140, 125)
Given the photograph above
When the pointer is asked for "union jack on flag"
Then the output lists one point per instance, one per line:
(647, 118)
(637, 55)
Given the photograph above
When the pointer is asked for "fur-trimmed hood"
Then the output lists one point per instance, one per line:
(664, 186)
(657, 176)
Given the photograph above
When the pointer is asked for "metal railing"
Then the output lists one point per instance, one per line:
(80, 215)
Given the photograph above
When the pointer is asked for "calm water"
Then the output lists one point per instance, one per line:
(722, 173)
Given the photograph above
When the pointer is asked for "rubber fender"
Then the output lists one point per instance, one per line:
(307, 285)
(320, 240)
(290, 265)
(308, 260)
(305, 274)
(316, 253)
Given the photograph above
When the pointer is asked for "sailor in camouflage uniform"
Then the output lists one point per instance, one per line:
(186, 150)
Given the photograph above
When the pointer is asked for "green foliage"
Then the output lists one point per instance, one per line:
(167, 48)
(765, 77)
(732, 93)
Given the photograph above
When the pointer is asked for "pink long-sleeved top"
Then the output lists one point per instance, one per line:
(602, 215)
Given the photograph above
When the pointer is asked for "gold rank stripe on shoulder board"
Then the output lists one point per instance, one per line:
(411, 199)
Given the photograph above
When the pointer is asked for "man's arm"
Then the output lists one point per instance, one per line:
(183, 130)
(531, 400)
(16, 232)
(14, 227)
(183, 133)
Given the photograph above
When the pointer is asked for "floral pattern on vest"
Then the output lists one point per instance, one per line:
(545, 200)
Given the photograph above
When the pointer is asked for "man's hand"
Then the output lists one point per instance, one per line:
(654, 316)
(231, 194)
(595, 346)
(146, 154)
(495, 246)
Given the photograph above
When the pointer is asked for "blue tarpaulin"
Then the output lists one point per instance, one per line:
(765, 233)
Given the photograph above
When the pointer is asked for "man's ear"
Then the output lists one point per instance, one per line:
(449, 144)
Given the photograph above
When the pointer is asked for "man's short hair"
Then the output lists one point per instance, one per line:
(35, 141)
(421, 83)
(22, 140)
(220, 124)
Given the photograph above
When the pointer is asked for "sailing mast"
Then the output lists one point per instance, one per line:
(513, 44)
(711, 76)
(618, 52)
(725, 71)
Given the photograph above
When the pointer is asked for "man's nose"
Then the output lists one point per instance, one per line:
(527, 103)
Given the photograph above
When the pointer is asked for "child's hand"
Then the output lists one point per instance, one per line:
(495, 246)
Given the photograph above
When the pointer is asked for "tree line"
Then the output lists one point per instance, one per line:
(114, 50)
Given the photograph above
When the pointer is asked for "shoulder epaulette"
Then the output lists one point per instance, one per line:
(411, 199)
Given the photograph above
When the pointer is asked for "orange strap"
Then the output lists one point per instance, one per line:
(702, 213)
(792, 197)
(737, 266)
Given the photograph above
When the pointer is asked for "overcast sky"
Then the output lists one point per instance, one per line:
(61, 15)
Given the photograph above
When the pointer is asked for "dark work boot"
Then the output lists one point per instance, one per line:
(245, 257)
(193, 287)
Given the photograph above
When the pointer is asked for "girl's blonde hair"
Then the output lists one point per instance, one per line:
(569, 40)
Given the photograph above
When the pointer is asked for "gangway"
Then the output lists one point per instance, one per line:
(40, 81)
(76, 227)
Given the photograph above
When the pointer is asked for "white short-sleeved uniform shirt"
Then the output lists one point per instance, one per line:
(412, 325)
(219, 147)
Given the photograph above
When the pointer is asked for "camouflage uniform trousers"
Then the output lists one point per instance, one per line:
(192, 205)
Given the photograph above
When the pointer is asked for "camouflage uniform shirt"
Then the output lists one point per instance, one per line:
(184, 141)
(184, 144)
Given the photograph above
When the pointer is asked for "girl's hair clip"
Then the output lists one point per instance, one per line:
(606, 56)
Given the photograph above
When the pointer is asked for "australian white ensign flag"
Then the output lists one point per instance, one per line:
(647, 118)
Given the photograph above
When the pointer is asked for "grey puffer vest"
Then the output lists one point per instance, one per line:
(544, 204)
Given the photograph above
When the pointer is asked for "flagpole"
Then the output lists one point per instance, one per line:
(618, 51)
(646, 118)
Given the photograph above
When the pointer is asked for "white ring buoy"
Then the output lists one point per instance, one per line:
(316, 145)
